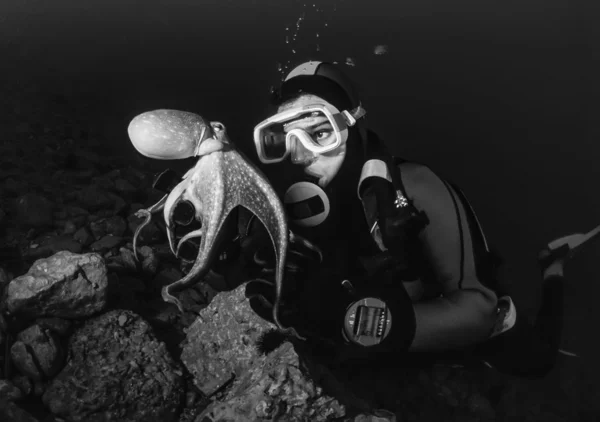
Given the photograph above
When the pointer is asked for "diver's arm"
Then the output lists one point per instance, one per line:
(465, 313)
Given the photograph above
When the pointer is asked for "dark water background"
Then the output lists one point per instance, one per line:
(493, 95)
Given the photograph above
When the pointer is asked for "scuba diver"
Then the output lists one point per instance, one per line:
(403, 265)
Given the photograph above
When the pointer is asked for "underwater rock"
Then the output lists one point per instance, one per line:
(23, 384)
(78, 216)
(14, 187)
(75, 211)
(104, 182)
(11, 412)
(69, 227)
(481, 406)
(223, 341)
(125, 188)
(10, 391)
(83, 176)
(162, 313)
(57, 325)
(37, 353)
(212, 284)
(39, 387)
(114, 226)
(83, 236)
(128, 259)
(115, 264)
(43, 248)
(4, 280)
(136, 177)
(106, 243)
(272, 388)
(64, 285)
(117, 370)
(98, 228)
(3, 324)
(120, 205)
(113, 174)
(150, 261)
(95, 199)
(34, 210)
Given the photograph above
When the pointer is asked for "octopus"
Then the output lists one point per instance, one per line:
(222, 179)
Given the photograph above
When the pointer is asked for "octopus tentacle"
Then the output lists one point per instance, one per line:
(201, 266)
(147, 214)
(295, 238)
(190, 235)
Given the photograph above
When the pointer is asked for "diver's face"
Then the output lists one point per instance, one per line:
(322, 166)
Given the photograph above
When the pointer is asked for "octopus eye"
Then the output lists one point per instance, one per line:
(184, 213)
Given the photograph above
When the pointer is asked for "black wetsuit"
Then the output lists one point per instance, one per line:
(452, 254)
(459, 258)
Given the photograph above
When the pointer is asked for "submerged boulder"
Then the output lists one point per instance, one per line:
(37, 353)
(255, 373)
(117, 370)
(34, 210)
(65, 285)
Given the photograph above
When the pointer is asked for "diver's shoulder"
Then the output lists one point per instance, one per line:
(416, 171)
(421, 177)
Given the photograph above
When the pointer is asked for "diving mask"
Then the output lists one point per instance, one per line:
(275, 137)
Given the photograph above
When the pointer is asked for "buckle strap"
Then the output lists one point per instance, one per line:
(353, 115)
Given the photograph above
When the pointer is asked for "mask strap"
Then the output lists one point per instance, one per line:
(348, 118)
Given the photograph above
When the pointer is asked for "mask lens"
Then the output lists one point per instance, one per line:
(315, 129)
(273, 143)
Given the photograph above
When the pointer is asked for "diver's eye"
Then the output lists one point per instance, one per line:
(324, 136)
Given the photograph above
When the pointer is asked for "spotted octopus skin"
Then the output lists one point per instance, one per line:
(218, 183)
(167, 134)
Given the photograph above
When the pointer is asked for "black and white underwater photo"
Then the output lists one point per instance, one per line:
(290, 210)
